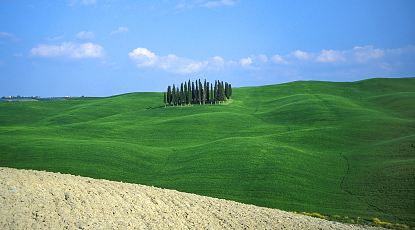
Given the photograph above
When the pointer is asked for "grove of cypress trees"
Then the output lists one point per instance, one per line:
(197, 92)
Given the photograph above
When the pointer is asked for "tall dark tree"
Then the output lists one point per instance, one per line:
(212, 97)
(193, 92)
(200, 98)
(226, 90)
(221, 93)
(177, 96)
(207, 92)
(189, 93)
(182, 94)
(186, 99)
(169, 96)
(230, 90)
(218, 92)
(197, 93)
(173, 95)
(216, 95)
(204, 93)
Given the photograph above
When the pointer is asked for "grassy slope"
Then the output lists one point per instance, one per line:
(334, 148)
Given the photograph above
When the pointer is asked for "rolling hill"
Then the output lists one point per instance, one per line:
(344, 149)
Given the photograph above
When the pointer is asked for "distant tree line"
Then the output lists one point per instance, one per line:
(197, 93)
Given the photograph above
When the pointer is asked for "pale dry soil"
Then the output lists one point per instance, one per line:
(43, 200)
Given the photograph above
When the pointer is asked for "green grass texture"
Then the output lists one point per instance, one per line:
(335, 148)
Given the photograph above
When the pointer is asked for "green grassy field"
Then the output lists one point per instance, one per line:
(336, 148)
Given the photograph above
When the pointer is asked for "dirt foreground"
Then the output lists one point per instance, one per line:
(43, 200)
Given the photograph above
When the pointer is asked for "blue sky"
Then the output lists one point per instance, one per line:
(107, 47)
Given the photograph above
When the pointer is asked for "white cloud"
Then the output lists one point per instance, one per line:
(349, 57)
(87, 35)
(278, 59)
(173, 63)
(121, 29)
(365, 53)
(217, 62)
(69, 49)
(253, 61)
(262, 58)
(218, 59)
(330, 56)
(143, 56)
(301, 55)
(246, 62)
(170, 63)
(358, 54)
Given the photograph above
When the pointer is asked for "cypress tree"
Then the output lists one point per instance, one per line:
(193, 92)
(216, 91)
(212, 97)
(186, 99)
(197, 93)
(230, 90)
(177, 96)
(189, 93)
(207, 92)
(226, 90)
(181, 94)
(200, 97)
(169, 95)
(173, 95)
(204, 92)
(222, 93)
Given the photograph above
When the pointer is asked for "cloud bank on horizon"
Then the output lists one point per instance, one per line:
(101, 47)
(358, 55)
